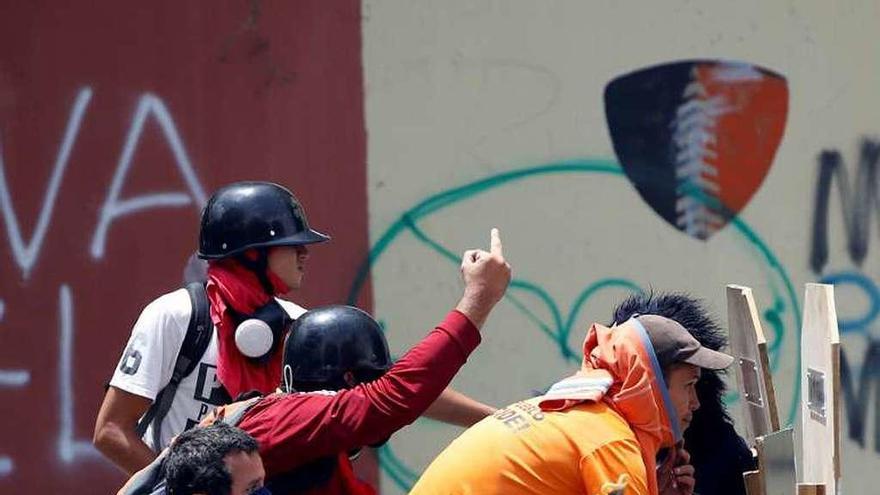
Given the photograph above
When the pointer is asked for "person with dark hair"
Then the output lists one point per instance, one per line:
(255, 238)
(718, 454)
(613, 428)
(218, 459)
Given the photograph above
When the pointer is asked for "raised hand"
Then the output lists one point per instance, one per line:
(486, 275)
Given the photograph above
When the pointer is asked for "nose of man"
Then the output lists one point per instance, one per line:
(302, 253)
(695, 401)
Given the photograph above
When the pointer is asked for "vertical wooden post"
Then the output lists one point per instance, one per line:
(749, 347)
(820, 389)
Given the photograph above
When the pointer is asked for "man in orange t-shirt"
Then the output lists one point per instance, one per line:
(614, 428)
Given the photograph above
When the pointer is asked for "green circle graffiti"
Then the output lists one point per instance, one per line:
(784, 300)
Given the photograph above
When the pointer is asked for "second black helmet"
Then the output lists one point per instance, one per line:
(334, 347)
(246, 215)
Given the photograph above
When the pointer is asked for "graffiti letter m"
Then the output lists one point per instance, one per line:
(856, 395)
(857, 200)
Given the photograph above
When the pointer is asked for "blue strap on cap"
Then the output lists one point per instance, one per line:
(658, 372)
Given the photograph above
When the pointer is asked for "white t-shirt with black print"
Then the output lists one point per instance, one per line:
(148, 362)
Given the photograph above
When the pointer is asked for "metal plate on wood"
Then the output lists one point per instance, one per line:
(816, 394)
(749, 345)
(750, 384)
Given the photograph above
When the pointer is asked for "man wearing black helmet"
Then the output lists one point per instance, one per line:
(340, 391)
(255, 237)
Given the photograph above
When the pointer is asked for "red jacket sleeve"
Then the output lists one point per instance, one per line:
(295, 428)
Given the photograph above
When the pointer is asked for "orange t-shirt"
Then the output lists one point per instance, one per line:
(586, 449)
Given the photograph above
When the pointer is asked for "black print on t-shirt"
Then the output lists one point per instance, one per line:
(208, 387)
(514, 417)
(204, 409)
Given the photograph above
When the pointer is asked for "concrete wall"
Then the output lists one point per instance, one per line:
(492, 113)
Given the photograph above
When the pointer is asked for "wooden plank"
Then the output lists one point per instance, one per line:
(807, 489)
(820, 388)
(749, 347)
(753, 483)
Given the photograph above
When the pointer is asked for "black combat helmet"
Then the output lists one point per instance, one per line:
(246, 215)
(334, 347)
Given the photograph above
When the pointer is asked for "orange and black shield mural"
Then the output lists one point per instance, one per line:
(697, 138)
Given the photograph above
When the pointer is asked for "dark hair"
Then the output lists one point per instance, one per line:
(718, 454)
(195, 462)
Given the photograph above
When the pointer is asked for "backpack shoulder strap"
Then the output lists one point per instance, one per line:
(230, 414)
(198, 336)
(233, 416)
(150, 480)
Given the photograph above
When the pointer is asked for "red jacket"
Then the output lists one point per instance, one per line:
(295, 429)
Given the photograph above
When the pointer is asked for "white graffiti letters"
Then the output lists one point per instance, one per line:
(69, 448)
(27, 253)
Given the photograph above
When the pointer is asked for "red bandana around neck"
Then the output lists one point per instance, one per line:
(231, 285)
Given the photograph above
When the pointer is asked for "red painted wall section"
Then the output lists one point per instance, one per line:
(168, 100)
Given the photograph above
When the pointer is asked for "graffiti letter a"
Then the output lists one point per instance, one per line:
(114, 207)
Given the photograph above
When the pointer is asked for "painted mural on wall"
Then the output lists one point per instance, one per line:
(112, 135)
(697, 137)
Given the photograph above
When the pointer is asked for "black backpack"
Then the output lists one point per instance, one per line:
(198, 336)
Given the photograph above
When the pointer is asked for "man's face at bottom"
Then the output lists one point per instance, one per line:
(681, 380)
(247, 472)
